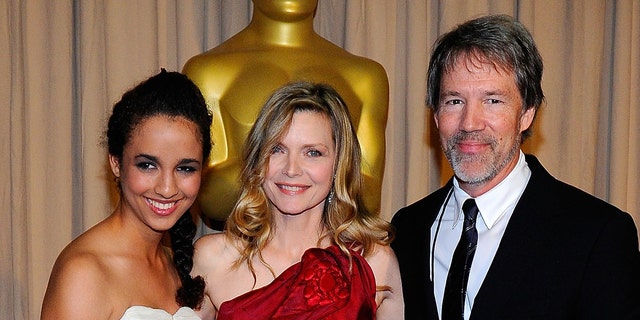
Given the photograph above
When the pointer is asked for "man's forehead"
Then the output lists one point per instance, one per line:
(476, 60)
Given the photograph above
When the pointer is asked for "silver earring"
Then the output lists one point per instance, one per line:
(330, 196)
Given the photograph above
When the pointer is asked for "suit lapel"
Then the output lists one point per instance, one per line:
(433, 213)
(412, 245)
(520, 246)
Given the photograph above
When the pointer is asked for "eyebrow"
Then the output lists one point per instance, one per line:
(449, 93)
(492, 92)
(316, 145)
(496, 92)
(304, 146)
(147, 156)
(188, 161)
(155, 159)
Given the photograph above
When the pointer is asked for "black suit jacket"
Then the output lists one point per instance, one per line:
(564, 255)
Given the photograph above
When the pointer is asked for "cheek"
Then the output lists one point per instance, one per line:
(506, 125)
(446, 122)
(135, 182)
(271, 168)
(322, 175)
(276, 165)
(191, 185)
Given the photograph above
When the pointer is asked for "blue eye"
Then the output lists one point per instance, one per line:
(277, 149)
(314, 153)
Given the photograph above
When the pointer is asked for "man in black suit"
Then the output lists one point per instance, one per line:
(532, 247)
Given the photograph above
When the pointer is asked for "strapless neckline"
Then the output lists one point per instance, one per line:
(147, 313)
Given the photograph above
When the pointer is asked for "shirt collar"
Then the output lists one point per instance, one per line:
(494, 203)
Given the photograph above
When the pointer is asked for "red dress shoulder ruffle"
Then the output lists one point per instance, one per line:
(320, 286)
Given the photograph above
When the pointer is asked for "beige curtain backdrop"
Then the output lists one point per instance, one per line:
(66, 62)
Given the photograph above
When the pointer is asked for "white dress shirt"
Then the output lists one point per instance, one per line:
(496, 207)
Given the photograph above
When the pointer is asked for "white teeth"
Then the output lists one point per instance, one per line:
(161, 206)
(290, 188)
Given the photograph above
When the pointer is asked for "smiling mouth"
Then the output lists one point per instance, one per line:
(162, 208)
(291, 189)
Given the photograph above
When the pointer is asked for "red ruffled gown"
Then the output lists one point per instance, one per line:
(320, 286)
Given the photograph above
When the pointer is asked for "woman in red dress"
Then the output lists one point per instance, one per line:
(299, 243)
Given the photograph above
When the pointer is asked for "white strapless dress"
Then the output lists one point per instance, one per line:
(146, 313)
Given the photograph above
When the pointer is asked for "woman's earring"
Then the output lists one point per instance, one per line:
(330, 196)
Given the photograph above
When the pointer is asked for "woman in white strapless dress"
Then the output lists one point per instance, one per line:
(158, 141)
(146, 313)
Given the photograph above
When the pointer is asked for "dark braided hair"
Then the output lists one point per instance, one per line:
(169, 94)
(182, 234)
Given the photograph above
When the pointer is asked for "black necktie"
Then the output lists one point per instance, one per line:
(456, 288)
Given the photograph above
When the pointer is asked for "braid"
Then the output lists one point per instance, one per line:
(191, 292)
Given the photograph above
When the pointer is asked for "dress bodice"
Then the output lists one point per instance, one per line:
(146, 313)
(325, 284)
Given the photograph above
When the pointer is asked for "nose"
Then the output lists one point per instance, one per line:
(472, 117)
(167, 186)
(291, 167)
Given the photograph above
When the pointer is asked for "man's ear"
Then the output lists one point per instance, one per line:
(114, 162)
(526, 119)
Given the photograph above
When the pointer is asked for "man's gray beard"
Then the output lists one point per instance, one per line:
(492, 168)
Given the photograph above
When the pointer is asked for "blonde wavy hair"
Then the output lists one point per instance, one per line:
(349, 225)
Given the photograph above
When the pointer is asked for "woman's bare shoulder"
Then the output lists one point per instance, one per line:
(385, 268)
(215, 249)
(77, 285)
(381, 252)
(214, 243)
(384, 264)
(87, 252)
